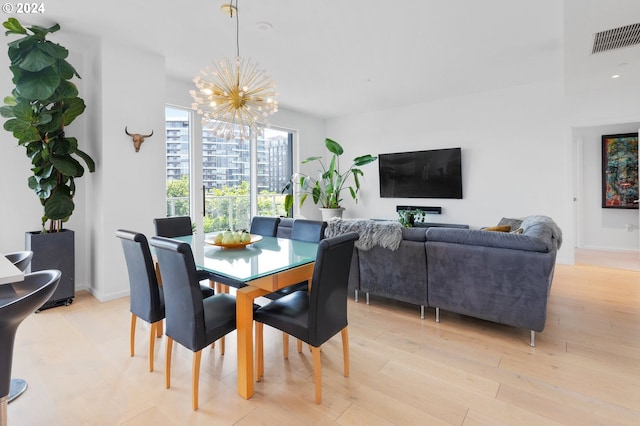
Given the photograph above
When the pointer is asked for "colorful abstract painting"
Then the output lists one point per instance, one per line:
(620, 171)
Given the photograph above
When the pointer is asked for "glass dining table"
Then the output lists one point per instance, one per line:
(255, 270)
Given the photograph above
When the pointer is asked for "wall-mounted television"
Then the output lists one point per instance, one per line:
(421, 174)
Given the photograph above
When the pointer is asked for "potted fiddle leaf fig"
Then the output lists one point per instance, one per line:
(326, 187)
(42, 104)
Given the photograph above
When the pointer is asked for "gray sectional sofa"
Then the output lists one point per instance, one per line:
(504, 277)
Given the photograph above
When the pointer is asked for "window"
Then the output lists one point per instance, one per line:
(239, 178)
(178, 125)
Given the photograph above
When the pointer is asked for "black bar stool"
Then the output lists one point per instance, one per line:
(21, 260)
(17, 301)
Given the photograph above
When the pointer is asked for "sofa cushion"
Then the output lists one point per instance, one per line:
(414, 234)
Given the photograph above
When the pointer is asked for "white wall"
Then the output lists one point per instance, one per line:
(516, 151)
(598, 228)
(512, 153)
(130, 191)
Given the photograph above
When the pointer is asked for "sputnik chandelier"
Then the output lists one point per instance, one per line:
(234, 92)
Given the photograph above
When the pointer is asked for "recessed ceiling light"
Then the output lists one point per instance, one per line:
(264, 26)
(615, 76)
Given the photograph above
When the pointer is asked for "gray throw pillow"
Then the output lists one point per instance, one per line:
(513, 223)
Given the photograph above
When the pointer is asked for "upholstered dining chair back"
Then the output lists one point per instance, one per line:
(145, 298)
(191, 321)
(328, 294)
(264, 225)
(185, 322)
(183, 299)
(20, 259)
(316, 316)
(170, 227)
(181, 226)
(311, 231)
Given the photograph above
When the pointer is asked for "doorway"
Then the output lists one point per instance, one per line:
(606, 237)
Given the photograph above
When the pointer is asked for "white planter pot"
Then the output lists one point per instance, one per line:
(331, 213)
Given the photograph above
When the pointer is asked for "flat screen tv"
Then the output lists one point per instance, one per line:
(421, 174)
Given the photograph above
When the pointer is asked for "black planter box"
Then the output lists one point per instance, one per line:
(54, 250)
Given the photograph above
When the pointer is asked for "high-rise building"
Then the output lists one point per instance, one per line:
(228, 163)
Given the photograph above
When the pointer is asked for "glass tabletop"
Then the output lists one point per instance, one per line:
(268, 256)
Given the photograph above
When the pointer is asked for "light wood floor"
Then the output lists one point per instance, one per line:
(629, 260)
(585, 369)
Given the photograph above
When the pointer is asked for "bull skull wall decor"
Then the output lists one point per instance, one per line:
(137, 138)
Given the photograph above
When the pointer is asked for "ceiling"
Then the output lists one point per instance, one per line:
(333, 58)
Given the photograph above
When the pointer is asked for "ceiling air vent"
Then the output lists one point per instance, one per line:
(616, 38)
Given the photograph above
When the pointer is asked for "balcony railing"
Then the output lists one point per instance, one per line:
(228, 211)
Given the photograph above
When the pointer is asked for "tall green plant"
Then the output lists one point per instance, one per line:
(325, 189)
(42, 103)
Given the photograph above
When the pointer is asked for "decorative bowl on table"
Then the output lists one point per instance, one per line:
(254, 239)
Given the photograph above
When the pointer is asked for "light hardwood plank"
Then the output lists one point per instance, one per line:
(585, 368)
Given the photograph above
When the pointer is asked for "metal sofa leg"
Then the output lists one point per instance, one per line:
(421, 311)
(437, 314)
(533, 339)
(367, 297)
(356, 296)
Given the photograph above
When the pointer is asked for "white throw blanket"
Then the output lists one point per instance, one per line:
(386, 234)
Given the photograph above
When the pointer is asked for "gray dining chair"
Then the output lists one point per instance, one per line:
(146, 296)
(318, 315)
(179, 226)
(302, 230)
(311, 231)
(176, 226)
(264, 225)
(191, 321)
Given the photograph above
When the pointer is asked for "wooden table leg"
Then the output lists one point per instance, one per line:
(244, 321)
